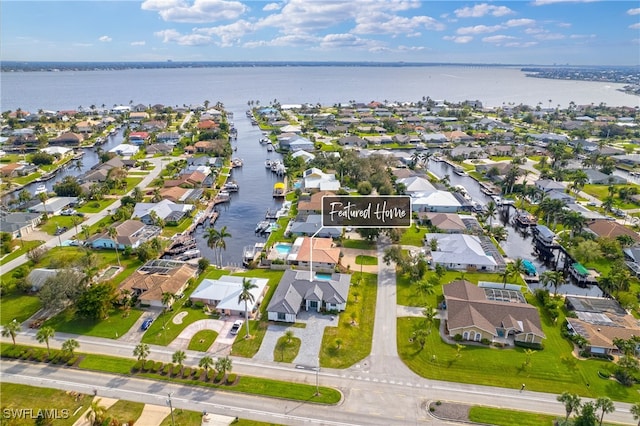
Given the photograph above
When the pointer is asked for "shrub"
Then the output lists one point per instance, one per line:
(55, 358)
(176, 370)
(186, 372)
(157, 366)
(529, 345)
(458, 337)
(231, 378)
(187, 303)
(71, 361)
(167, 369)
(485, 341)
(198, 305)
(138, 365)
(148, 365)
(498, 344)
(210, 374)
(603, 375)
(219, 377)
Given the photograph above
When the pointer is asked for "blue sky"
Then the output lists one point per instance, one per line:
(576, 32)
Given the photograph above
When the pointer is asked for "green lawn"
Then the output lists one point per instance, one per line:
(413, 236)
(356, 338)
(202, 340)
(96, 206)
(20, 397)
(125, 411)
(163, 331)
(117, 324)
(184, 418)
(106, 363)
(502, 417)
(23, 180)
(366, 260)
(18, 306)
(359, 244)
(24, 246)
(170, 230)
(132, 182)
(285, 350)
(53, 222)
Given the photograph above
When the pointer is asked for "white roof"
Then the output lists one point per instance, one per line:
(226, 290)
(436, 198)
(417, 184)
(124, 149)
(307, 156)
(460, 248)
(55, 150)
(163, 209)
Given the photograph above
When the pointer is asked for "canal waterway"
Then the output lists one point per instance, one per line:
(249, 205)
(519, 242)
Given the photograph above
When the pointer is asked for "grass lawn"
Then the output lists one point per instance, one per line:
(23, 180)
(24, 246)
(499, 416)
(106, 363)
(413, 236)
(18, 306)
(53, 222)
(285, 350)
(366, 260)
(117, 324)
(170, 230)
(202, 340)
(163, 331)
(356, 339)
(96, 206)
(125, 411)
(184, 418)
(278, 234)
(20, 397)
(359, 244)
(132, 182)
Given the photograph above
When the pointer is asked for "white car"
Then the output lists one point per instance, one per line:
(236, 327)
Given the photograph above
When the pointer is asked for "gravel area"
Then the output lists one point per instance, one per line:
(450, 411)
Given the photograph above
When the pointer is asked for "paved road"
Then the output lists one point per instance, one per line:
(54, 241)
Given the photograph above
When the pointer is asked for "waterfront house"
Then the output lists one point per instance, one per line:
(417, 184)
(54, 206)
(325, 254)
(130, 233)
(170, 138)
(155, 278)
(19, 224)
(67, 139)
(547, 185)
(601, 321)
(166, 210)
(490, 314)
(125, 150)
(460, 252)
(435, 201)
(309, 204)
(138, 138)
(316, 179)
(612, 229)
(299, 290)
(306, 156)
(300, 144)
(449, 223)
(312, 225)
(58, 151)
(222, 294)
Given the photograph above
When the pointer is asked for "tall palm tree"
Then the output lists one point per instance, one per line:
(246, 296)
(96, 413)
(635, 412)
(69, 346)
(43, 198)
(571, 402)
(205, 362)
(141, 351)
(430, 314)
(167, 298)
(213, 236)
(75, 220)
(491, 210)
(178, 357)
(12, 330)
(43, 335)
(518, 267)
(224, 364)
(605, 404)
(574, 221)
(553, 279)
(222, 245)
(113, 233)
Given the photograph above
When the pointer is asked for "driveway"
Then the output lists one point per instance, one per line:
(310, 338)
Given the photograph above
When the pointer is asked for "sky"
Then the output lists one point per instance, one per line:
(543, 32)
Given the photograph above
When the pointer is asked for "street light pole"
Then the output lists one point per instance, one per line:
(171, 409)
(318, 378)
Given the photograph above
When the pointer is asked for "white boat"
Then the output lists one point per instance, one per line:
(267, 164)
(40, 189)
(236, 162)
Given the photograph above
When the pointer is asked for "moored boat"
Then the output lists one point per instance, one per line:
(279, 190)
(40, 189)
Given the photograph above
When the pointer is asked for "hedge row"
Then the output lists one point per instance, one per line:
(182, 372)
(40, 355)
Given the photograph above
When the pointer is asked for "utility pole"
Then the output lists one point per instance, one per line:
(171, 409)
(318, 378)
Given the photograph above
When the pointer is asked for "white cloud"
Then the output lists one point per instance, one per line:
(533, 31)
(521, 44)
(633, 11)
(498, 39)
(199, 11)
(138, 43)
(549, 36)
(410, 48)
(229, 35)
(271, 7)
(105, 39)
(479, 29)
(635, 26)
(383, 23)
(458, 39)
(286, 41)
(481, 10)
(581, 36)
(520, 22)
(341, 41)
(173, 36)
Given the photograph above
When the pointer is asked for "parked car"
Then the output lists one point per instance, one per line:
(68, 212)
(146, 324)
(236, 327)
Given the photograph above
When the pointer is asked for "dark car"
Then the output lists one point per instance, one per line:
(146, 324)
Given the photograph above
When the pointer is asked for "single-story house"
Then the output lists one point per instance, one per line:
(306, 156)
(599, 178)
(547, 185)
(54, 206)
(417, 184)
(68, 138)
(460, 252)
(435, 201)
(312, 292)
(39, 276)
(157, 277)
(494, 314)
(125, 150)
(159, 148)
(601, 321)
(449, 223)
(316, 179)
(312, 204)
(612, 229)
(165, 210)
(313, 225)
(19, 223)
(222, 294)
(325, 256)
(130, 233)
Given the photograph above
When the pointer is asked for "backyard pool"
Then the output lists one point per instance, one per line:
(283, 248)
(323, 277)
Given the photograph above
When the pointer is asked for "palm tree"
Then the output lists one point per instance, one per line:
(289, 335)
(635, 412)
(113, 233)
(205, 362)
(222, 245)
(69, 346)
(508, 272)
(75, 220)
(518, 267)
(571, 402)
(141, 351)
(605, 404)
(167, 299)
(553, 279)
(580, 179)
(213, 236)
(224, 364)
(574, 221)
(246, 296)
(430, 314)
(491, 210)
(96, 414)
(338, 343)
(178, 357)
(420, 336)
(528, 353)
(43, 198)
(11, 329)
(78, 165)
(43, 335)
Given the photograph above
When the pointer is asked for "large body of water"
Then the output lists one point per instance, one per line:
(234, 87)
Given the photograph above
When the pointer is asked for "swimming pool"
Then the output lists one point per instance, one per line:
(323, 277)
(282, 248)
